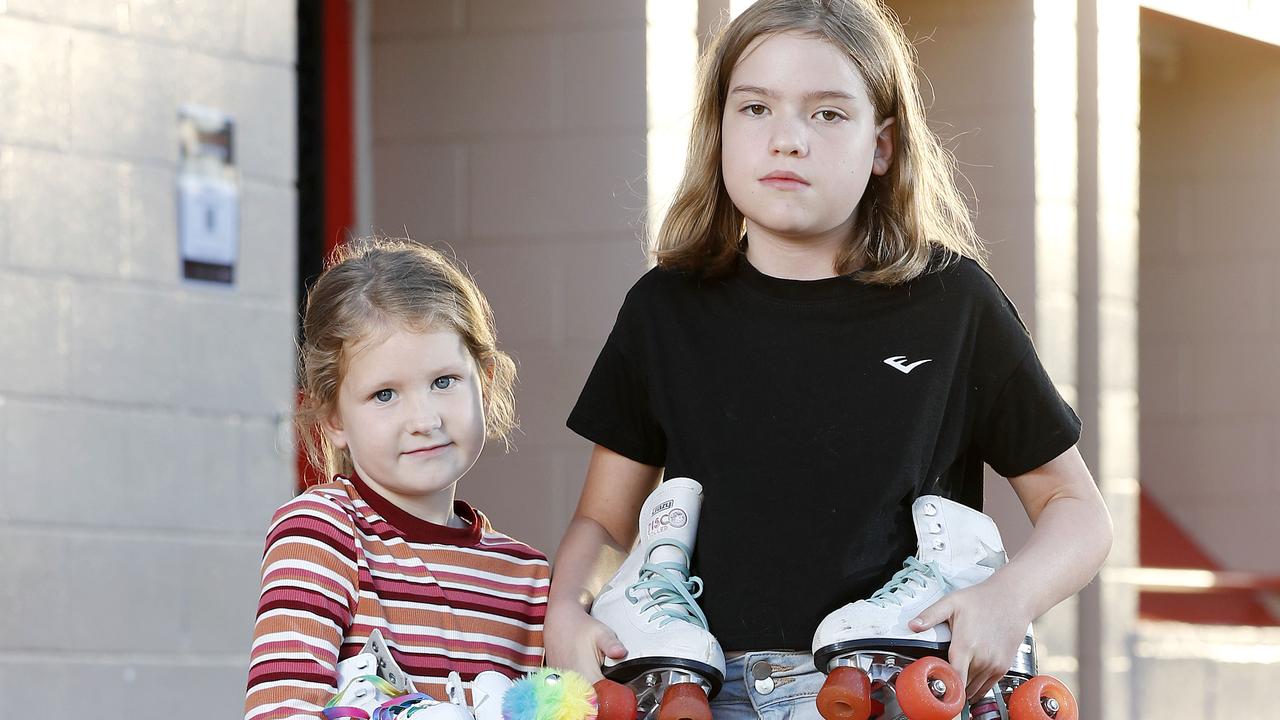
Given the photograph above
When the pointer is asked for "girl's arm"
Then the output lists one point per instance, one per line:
(309, 586)
(1071, 539)
(603, 528)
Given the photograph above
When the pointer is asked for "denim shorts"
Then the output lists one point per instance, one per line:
(787, 693)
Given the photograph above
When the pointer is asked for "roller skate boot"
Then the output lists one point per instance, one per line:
(674, 665)
(878, 668)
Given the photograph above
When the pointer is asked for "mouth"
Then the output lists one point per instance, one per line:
(784, 180)
(429, 451)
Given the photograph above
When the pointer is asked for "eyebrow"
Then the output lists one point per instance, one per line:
(813, 95)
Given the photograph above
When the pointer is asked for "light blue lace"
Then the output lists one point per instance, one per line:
(913, 571)
(671, 589)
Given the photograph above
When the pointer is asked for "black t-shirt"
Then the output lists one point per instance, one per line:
(814, 412)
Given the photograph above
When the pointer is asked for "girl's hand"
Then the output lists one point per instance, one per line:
(576, 641)
(988, 625)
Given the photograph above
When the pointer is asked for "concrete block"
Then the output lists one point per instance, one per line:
(1237, 380)
(605, 80)
(554, 186)
(515, 491)
(125, 97)
(104, 14)
(64, 213)
(92, 594)
(525, 284)
(421, 191)
(182, 472)
(202, 24)
(267, 474)
(268, 241)
(150, 226)
(468, 86)
(1242, 690)
(34, 324)
(129, 345)
(218, 593)
(271, 30)
(257, 375)
(264, 102)
(78, 452)
(550, 381)
(552, 15)
(37, 83)
(1166, 379)
(597, 278)
(401, 19)
(1172, 687)
(147, 690)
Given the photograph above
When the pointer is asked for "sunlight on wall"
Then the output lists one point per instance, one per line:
(670, 66)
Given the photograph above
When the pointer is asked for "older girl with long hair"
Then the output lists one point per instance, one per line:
(819, 345)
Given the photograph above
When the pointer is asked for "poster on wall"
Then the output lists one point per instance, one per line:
(208, 195)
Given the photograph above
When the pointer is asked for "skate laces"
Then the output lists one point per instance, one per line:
(913, 571)
(671, 589)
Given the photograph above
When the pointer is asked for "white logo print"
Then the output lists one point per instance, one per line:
(897, 362)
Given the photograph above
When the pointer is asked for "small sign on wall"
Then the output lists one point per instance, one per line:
(208, 195)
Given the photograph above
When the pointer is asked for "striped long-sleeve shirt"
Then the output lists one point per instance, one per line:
(341, 560)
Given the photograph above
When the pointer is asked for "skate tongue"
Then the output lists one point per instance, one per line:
(668, 553)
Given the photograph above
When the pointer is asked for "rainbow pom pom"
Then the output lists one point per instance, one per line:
(550, 694)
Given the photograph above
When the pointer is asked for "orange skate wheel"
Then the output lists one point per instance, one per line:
(684, 701)
(846, 695)
(615, 701)
(915, 687)
(1036, 699)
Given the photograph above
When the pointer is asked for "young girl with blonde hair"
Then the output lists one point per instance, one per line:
(819, 346)
(402, 382)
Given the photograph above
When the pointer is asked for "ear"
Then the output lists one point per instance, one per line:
(884, 147)
(331, 424)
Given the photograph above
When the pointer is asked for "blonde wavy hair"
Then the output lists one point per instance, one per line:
(373, 283)
(910, 220)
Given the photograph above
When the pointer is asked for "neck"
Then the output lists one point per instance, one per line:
(795, 257)
(435, 508)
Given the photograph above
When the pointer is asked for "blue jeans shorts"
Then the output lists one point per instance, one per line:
(787, 692)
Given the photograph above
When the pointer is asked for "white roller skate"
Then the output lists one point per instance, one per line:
(673, 663)
(878, 668)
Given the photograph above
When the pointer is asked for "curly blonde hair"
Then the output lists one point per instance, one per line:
(909, 220)
(368, 284)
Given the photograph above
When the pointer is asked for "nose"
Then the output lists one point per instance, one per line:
(425, 418)
(788, 139)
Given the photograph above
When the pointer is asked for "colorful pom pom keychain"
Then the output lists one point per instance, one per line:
(550, 694)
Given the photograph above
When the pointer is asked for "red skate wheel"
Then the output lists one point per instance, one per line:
(684, 701)
(846, 695)
(1037, 698)
(615, 701)
(916, 686)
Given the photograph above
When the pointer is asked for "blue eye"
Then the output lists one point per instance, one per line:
(444, 383)
(384, 396)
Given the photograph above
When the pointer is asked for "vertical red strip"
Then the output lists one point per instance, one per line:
(339, 157)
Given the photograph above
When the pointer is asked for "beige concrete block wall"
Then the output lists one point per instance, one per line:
(515, 133)
(1210, 338)
(141, 451)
